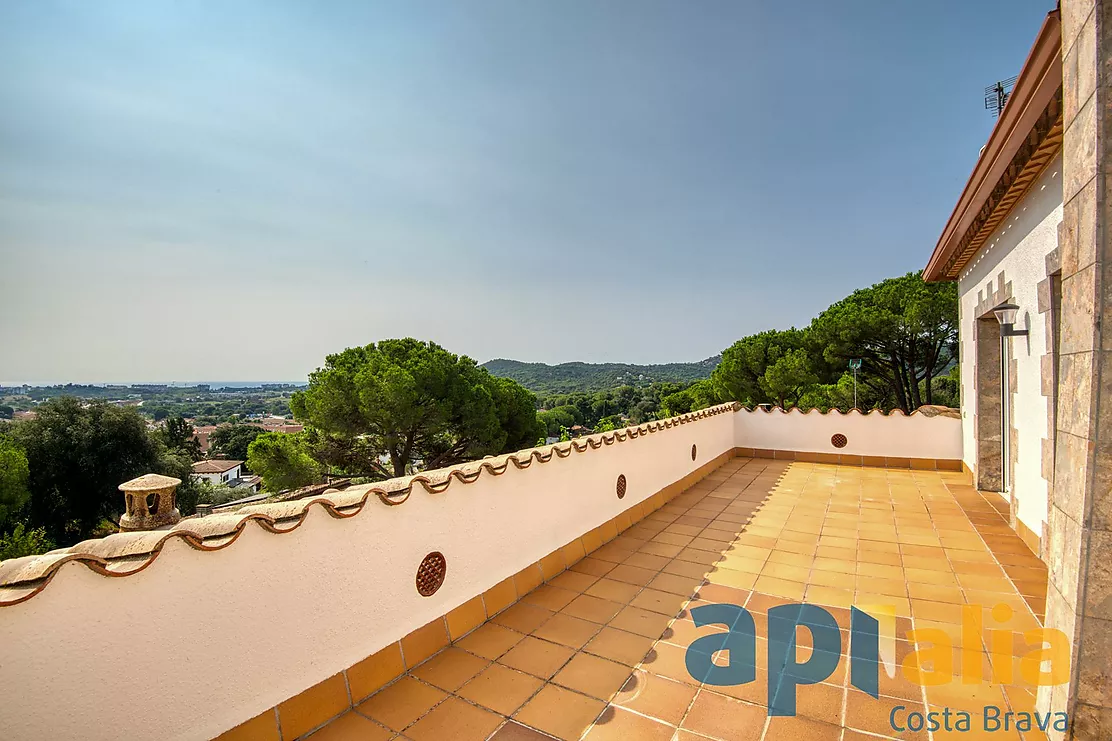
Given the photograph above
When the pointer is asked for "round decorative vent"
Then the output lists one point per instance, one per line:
(839, 440)
(621, 485)
(430, 574)
(694, 452)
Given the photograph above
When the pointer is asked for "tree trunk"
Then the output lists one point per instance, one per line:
(901, 395)
(398, 463)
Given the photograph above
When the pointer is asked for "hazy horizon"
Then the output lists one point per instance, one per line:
(252, 382)
(236, 191)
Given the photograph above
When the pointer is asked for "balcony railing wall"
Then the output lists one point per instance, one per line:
(185, 633)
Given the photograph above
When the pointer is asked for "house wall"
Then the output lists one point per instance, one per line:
(220, 478)
(874, 438)
(1010, 267)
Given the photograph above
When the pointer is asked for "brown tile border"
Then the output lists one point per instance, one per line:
(367, 676)
(846, 459)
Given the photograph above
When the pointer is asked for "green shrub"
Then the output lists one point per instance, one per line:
(23, 542)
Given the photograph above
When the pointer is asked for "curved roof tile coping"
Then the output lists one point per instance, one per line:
(123, 554)
(932, 410)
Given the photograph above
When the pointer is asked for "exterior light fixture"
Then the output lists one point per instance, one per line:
(1005, 314)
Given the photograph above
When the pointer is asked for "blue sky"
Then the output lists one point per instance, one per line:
(204, 190)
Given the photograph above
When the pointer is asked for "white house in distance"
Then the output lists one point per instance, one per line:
(218, 471)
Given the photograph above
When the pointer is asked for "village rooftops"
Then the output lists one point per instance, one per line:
(215, 466)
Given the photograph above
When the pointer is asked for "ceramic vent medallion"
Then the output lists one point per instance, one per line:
(430, 574)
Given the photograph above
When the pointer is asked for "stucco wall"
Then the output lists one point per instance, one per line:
(1018, 248)
(873, 434)
(201, 641)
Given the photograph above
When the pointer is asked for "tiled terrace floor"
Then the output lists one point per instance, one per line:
(598, 652)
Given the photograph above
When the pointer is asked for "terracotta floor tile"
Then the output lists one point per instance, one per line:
(539, 658)
(620, 646)
(685, 568)
(783, 571)
(821, 702)
(788, 590)
(661, 549)
(801, 729)
(682, 632)
(833, 579)
(731, 578)
(888, 559)
(864, 713)
(820, 595)
(934, 593)
(647, 561)
(567, 631)
(755, 692)
(673, 539)
(665, 603)
(514, 731)
(591, 608)
(789, 559)
(669, 661)
(457, 720)
(523, 617)
(352, 726)
(592, 567)
(612, 553)
(971, 697)
(723, 717)
(616, 724)
(632, 575)
(550, 597)
(656, 696)
(450, 669)
(573, 581)
(681, 585)
(401, 703)
(501, 689)
(490, 640)
(615, 591)
(560, 712)
(642, 622)
(878, 585)
(593, 676)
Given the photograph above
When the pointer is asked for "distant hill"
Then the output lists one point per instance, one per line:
(568, 378)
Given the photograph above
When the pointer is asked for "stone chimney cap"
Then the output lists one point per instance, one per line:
(150, 482)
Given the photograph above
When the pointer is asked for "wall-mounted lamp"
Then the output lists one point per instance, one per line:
(1005, 314)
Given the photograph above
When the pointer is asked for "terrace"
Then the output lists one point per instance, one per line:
(545, 594)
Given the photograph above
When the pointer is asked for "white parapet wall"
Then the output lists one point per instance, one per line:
(220, 618)
(874, 435)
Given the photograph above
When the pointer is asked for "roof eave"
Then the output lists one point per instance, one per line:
(1038, 82)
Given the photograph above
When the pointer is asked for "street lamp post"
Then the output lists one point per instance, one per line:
(855, 364)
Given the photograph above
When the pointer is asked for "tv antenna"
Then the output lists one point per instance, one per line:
(996, 96)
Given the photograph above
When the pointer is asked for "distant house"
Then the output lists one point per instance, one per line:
(201, 433)
(218, 471)
(250, 482)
